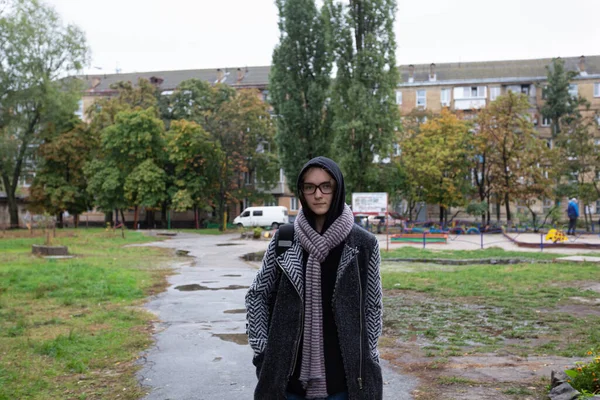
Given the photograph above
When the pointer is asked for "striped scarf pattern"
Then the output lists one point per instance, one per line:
(312, 370)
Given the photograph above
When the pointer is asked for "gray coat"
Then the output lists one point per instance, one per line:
(275, 305)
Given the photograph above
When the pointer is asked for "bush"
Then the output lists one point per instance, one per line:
(585, 377)
(257, 232)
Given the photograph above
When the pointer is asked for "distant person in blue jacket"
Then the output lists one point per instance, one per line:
(573, 213)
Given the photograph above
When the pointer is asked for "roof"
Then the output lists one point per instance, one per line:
(500, 70)
(252, 77)
(485, 71)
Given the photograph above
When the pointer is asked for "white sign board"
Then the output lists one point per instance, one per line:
(369, 203)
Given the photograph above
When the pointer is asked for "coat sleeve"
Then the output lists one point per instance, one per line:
(374, 304)
(257, 301)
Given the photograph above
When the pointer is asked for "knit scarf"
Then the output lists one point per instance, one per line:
(312, 370)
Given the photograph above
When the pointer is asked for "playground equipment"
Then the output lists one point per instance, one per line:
(556, 235)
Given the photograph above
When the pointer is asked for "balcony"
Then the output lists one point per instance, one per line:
(469, 104)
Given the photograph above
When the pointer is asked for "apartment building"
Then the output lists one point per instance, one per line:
(468, 87)
(423, 89)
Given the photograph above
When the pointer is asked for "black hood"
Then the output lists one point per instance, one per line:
(339, 197)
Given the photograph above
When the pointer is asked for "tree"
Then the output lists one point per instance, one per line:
(145, 186)
(363, 98)
(439, 159)
(559, 101)
(240, 126)
(36, 50)
(579, 159)
(136, 138)
(60, 184)
(513, 143)
(299, 86)
(196, 158)
(248, 165)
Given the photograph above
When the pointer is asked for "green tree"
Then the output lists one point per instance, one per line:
(439, 158)
(579, 160)
(196, 158)
(36, 50)
(136, 137)
(145, 186)
(363, 97)
(299, 86)
(239, 124)
(60, 184)
(245, 135)
(559, 102)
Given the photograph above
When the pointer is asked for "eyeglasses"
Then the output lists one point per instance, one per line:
(311, 188)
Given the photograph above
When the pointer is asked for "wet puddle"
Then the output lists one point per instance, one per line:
(209, 282)
(228, 244)
(237, 338)
(217, 359)
(258, 256)
(232, 276)
(194, 286)
(238, 311)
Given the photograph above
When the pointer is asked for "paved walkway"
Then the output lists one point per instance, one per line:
(474, 242)
(201, 349)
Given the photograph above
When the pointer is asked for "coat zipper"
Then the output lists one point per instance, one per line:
(301, 321)
(360, 382)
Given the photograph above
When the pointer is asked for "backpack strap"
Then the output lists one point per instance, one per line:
(285, 238)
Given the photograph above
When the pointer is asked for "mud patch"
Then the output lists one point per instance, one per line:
(237, 338)
(194, 287)
(582, 310)
(232, 276)
(238, 311)
(209, 282)
(228, 244)
(216, 359)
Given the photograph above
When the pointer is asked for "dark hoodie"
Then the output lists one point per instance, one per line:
(339, 197)
(334, 365)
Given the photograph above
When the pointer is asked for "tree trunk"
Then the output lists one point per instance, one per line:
(507, 205)
(108, 217)
(76, 220)
(59, 219)
(135, 217)
(123, 217)
(13, 208)
(441, 216)
(196, 224)
(163, 215)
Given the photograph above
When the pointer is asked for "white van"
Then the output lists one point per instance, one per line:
(272, 216)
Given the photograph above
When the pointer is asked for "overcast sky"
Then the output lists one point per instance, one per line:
(154, 35)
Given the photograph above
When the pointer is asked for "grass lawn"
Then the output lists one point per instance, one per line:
(414, 252)
(72, 329)
(523, 309)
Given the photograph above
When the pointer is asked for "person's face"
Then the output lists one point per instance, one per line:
(318, 188)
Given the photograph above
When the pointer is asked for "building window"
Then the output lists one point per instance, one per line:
(549, 143)
(597, 142)
(573, 90)
(247, 178)
(546, 121)
(270, 203)
(470, 92)
(495, 92)
(294, 204)
(597, 206)
(445, 97)
(421, 98)
(525, 89)
(514, 88)
(399, 97)
(596, 89)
